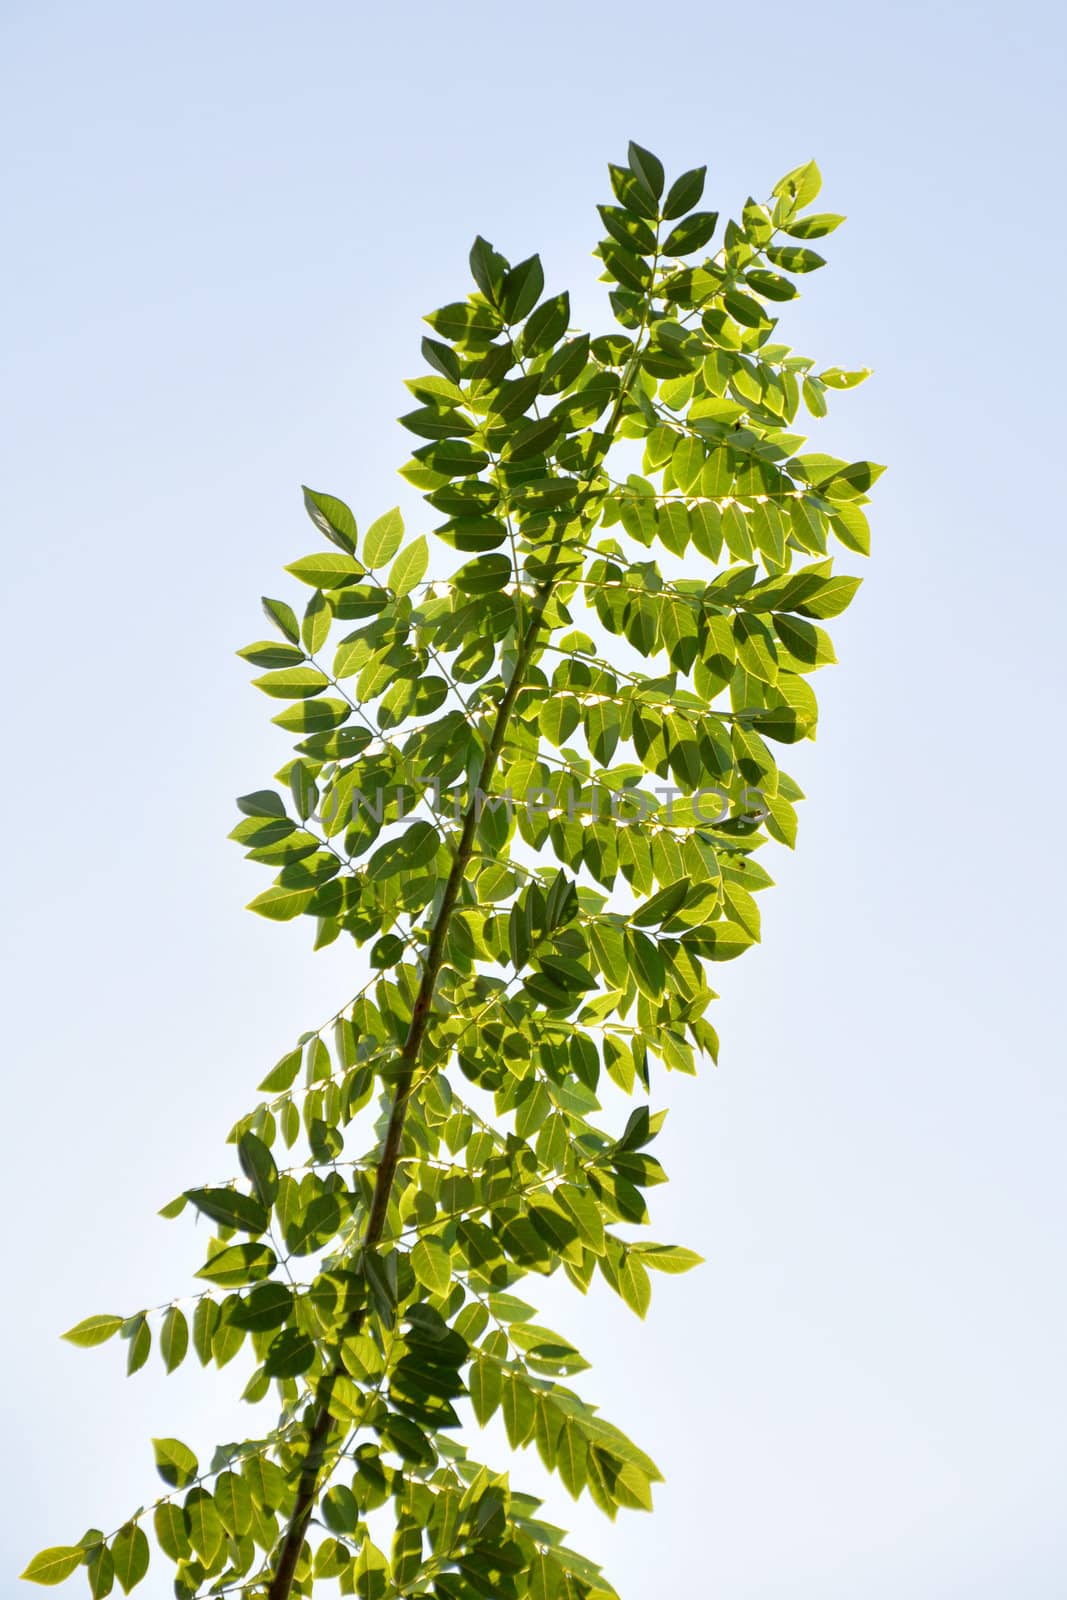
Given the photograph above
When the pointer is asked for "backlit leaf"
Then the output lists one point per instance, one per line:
(130, 1553)
(382, 540)
(54, 1565)
(175, 1462)
(93, 1330)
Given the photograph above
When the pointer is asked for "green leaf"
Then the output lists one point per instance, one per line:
(672, 1258)
(464, 323)
(547, 325)
(488, 269)
(54, 1565)
(838, 378)
(101, 1566)
(852, 528)
(315, 628)
(371, 1573)
(603, 722)
(129, 1551)
(813, 227)
(172, 1531)
(832, 597)
(558, 719)
(346, 1401)
(572, 1458)
(684, 193)
(175, 1462)
(628, 230)
(293, 683)
(724, 941)
(523, 287)
(206, 1533)
(331, 1559)
(266, 654)
(340, 1509)
(662, 906)
(484, 575)
(744, 309)
(545, 1578)
(259, 1167)
(233, 1502)
(267, 1482)
(687, 460)
(415, 848)
(409, 568)
(646, 963)
(137, 1331)
(281, 905)
(174, 1338)
(239, 1264)
(327, 569)
(206, 1320)
(486, 1388)
(793, 258)
(281, 1076)
(432, 1266)
(534, 439)
(808, 644)
(799, 187)
(264, 803)
(519, 1411)
(437, 422)
(266, 1307)
(283, 617)
(735, 531)
(315, 1226)
(647, 168)
(626, 269)
(291, 1353)
(586, 1213)
(814, 396)
(631, 1282)
(755, 646)
(442, 359)
(771, 285)
(632, 193)
(692, 234)
(333, 518)
(93, 1330)
(230, 1207)
(473, 533)
(383, 539)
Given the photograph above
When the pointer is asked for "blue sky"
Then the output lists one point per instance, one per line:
(223, 227)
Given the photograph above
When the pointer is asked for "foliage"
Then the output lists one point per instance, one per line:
(491, 794)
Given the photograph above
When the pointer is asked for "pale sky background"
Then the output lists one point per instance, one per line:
(224, 223)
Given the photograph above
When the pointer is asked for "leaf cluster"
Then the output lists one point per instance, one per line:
(504, 744)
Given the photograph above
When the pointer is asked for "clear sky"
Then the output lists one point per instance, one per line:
(224, 223)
